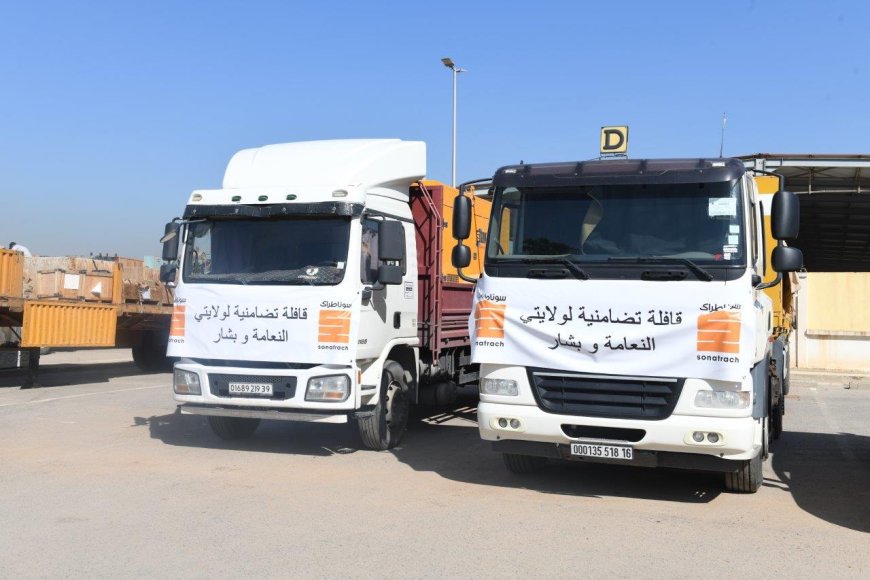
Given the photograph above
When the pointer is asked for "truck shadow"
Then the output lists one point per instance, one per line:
(456, 452)
(445, 441)
(271, 437)
(827, 475)
(68, 374)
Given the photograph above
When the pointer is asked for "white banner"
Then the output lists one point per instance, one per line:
(301, 324)
(684, 329)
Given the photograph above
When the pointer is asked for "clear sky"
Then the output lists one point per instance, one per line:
(112, 112)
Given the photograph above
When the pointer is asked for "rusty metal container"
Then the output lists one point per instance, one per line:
(63, 324)
(11, 273)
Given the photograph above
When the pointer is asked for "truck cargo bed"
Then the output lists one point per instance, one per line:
(444, 298)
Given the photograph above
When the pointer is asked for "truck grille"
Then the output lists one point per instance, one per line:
(605, 395)
(282, 387)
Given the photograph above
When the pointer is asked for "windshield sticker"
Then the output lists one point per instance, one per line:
(734, 229)
(726, 256)
(729, 249)
(722, 206)
(733, 240)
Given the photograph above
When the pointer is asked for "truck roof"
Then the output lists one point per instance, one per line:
(620, 171)
(311, 171)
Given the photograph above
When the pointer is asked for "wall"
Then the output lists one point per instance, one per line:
(834, 321)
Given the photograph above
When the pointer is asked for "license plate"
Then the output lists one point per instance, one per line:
(622, 452)
(264, 389)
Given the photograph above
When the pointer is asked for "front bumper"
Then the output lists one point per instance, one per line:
(293, 407)
(739, 436)
(248, 413)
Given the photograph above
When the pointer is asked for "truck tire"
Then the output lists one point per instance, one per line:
(233, 428)
(748, 478)
(150, 354)
(384, 427)
(523, 464)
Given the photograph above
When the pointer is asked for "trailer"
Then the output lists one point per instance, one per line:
(69, 302)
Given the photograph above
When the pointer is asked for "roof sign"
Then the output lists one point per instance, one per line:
(614, 140)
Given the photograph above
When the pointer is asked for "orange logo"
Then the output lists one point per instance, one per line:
(489, 319)
(334, 326)
(176, 326)
(719, 332)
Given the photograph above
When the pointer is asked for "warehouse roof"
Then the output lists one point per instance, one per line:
(834, 191)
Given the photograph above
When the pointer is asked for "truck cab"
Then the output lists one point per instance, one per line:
(297, 288)
(621, 316)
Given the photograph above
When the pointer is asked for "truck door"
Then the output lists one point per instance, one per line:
(390, 311)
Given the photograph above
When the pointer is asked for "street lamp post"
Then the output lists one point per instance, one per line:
(448, 62)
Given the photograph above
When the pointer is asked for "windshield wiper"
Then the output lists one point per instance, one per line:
(565, 260)
(701, 272)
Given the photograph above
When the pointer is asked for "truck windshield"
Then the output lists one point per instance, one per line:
(700, 222)
(282, 251)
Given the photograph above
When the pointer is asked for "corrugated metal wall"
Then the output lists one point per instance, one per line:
(63, 324)
(11, 273)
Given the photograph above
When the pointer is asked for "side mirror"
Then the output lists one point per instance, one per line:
(389, 274)
(787, 259)
(785, 216)
(168, 272)
(461, 217)
(170, 242)
(391, 241)
(461, 256)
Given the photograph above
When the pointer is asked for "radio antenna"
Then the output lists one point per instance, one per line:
(722, 138)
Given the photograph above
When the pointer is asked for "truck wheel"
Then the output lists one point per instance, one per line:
(748, 478)
(232, 428)
(150, 354)
(523, 464)
(384, 428)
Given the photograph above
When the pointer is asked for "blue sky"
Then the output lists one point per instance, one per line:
(112, 112)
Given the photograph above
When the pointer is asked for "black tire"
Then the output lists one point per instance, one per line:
(150, 354)
(748, 478)
(384, 428)
(233, 428)
(523, 464)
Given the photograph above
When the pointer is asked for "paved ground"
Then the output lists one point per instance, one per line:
(100, 477)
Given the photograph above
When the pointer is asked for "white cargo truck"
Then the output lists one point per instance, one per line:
(621, 316)
(311, 287)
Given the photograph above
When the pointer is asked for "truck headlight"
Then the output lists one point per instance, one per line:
(505, 387)
(723, 399)
(331, 389)
(186, 383)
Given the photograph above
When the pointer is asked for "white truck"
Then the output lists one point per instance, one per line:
(311, 287)
(621, 316)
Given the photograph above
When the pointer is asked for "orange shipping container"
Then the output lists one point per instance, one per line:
(11, 273)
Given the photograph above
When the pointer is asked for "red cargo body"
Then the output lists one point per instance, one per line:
(444, 305)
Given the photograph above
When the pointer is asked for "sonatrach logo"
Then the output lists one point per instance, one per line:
(489, 321)
(719, 332)
(334, 327)
(176, 326)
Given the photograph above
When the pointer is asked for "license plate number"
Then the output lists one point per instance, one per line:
(623, 452)
(264, 389)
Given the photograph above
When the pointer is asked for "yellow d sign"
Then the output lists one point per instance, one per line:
(614, 140)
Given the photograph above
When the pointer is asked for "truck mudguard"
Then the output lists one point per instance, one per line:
(760, 373)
